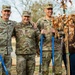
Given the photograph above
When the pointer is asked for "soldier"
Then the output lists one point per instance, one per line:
(45, 26)
(26, 40)
(6, 30)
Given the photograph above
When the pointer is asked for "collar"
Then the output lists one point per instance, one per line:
(5, 22)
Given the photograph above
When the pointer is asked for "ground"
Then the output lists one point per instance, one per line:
(13, 69)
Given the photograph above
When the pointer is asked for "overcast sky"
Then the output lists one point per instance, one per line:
(16, 16)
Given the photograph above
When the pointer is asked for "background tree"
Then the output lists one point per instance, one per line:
(36, 7)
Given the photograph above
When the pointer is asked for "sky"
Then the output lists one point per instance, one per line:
(17, 17)
(14, 15)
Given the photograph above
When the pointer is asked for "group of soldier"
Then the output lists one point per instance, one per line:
(27, 34)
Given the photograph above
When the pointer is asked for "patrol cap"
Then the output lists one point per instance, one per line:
(48, 6)
(6, 7)
(26, 13)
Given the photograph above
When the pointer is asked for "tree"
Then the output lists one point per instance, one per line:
(36, 7)
(37, 11)
(63, 4)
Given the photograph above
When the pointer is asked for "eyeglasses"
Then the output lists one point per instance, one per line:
(6, 10)
(49, 8)
(27, 16)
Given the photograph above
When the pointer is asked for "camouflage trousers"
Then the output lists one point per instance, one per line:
(7, 60)
(25, 64)
(57, 62)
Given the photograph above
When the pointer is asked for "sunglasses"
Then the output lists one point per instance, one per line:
(49, 8)
(6, 10)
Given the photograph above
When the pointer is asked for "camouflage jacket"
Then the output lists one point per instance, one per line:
(6, 30)
(43, 23)
(26, 38)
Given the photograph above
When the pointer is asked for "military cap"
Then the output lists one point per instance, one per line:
(48, 6)
(26, 13)
(6, 7)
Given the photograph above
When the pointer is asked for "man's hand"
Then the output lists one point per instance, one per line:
(52, 30)
(43, 31)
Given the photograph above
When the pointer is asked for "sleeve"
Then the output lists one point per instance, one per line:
(13, 33)
(38, 24)
(37, 39)
(14, 30)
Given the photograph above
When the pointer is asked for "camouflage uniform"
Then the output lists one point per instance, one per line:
(6, 30)
(26, 39)
(43, 23)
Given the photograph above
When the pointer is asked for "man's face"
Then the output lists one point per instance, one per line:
(25, 19)
(6, 14)
(49, 11)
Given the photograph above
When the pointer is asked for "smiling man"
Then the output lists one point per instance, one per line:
(6, 30)
(26, 40)
(45, 26)
(6, 11)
